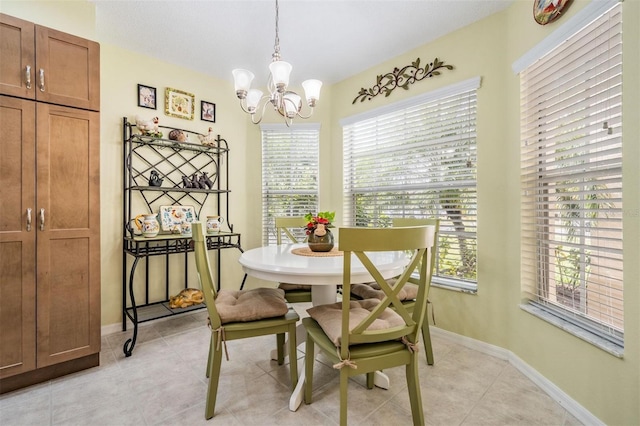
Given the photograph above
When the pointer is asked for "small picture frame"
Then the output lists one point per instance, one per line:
(179, 104)
(146, 96)
(207, 111)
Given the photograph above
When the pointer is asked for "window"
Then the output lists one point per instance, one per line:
(418, 159)
(289, 173)
(571, 133)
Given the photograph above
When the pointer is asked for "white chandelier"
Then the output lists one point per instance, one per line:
(286, 102)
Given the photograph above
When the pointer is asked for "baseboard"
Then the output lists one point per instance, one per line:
(577, 410)
(111, 328)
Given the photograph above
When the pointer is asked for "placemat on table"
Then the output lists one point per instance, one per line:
(306, 251)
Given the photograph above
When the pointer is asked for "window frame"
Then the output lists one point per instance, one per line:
(297, 164)
(543, 262)
(467, 92)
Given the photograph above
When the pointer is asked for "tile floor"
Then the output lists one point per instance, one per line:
(164, 382)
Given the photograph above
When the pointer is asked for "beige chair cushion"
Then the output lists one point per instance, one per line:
(373, 291)
(329, 317)
(250, 305)
(287, 287)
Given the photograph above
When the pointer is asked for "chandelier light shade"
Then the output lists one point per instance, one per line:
(286, 102)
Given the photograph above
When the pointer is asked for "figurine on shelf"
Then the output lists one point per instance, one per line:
(186, 183)
(209, 139)
(205, 181)
(155, 179)
(148, 127)
(177, 135)
(194, 181)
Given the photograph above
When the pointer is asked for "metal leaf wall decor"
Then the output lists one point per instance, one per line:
(401, 77)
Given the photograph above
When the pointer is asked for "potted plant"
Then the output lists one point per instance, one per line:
(319, 236)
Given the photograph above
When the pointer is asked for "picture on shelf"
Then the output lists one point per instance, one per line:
(178, 103)
(146, 96)
(207, 111)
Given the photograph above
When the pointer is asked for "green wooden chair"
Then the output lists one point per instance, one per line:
(238, 314)
(294, 293)
(363, 336)
(407, 297)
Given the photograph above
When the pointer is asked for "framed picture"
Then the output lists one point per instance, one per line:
(146, 96)
(207, 111)
(178, 103)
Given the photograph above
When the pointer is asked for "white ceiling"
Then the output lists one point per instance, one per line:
(329, 40)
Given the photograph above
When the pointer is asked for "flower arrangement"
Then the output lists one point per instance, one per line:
(322, 218)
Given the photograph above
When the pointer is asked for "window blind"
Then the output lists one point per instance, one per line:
(289, 173)
(571, 132)
(419, 160)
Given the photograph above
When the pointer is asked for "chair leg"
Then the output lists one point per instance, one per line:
(426, 338)
(370, 380)
(309, 359)
(280, 345)
(415, 397)
(293, 356)
(344, 384)
(212, 392)
(208, 372)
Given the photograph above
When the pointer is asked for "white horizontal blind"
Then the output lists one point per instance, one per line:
(571, 130)
(419, 161)
(289, 174)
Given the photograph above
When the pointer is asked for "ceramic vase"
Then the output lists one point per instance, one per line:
(213, 224)
(321, 243)
(148, 225)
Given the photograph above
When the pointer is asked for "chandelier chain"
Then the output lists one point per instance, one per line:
(276, 45)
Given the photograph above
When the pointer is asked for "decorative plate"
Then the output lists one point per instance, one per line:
(547, 11)
(171, 217)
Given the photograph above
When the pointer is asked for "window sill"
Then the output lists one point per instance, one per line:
(454, 285)
(605, 345)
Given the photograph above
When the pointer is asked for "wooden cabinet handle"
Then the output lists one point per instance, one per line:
(41, 80)
(28, 76)
(28, 219)
(42, 219)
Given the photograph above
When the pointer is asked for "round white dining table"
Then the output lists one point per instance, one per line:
(279, 264)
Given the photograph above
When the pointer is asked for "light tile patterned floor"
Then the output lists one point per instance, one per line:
(164, 382)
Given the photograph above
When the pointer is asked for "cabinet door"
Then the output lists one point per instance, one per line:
(17, 57)
(67, 69)
(68, 242)
(17, 243)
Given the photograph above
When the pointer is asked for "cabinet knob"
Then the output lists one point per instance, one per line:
(27, 74)
(42, 219)
(28, 220)
(41, 80)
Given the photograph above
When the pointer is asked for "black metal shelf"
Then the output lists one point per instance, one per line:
(178, 189)
(176, 163)
(154, 311)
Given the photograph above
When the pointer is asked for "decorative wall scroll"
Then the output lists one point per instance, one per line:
(402, 77)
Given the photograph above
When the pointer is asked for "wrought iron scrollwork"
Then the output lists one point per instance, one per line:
(401, 77)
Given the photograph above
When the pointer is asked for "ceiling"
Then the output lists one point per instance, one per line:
(329, 39)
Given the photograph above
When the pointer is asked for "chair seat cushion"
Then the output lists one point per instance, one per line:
(373, 290)
(330, 317)
(250, 305)
(289, 287)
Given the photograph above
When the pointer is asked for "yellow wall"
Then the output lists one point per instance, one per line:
(606, 386)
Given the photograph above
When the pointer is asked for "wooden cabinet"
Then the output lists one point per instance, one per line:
(47, 65)
(49, 236)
